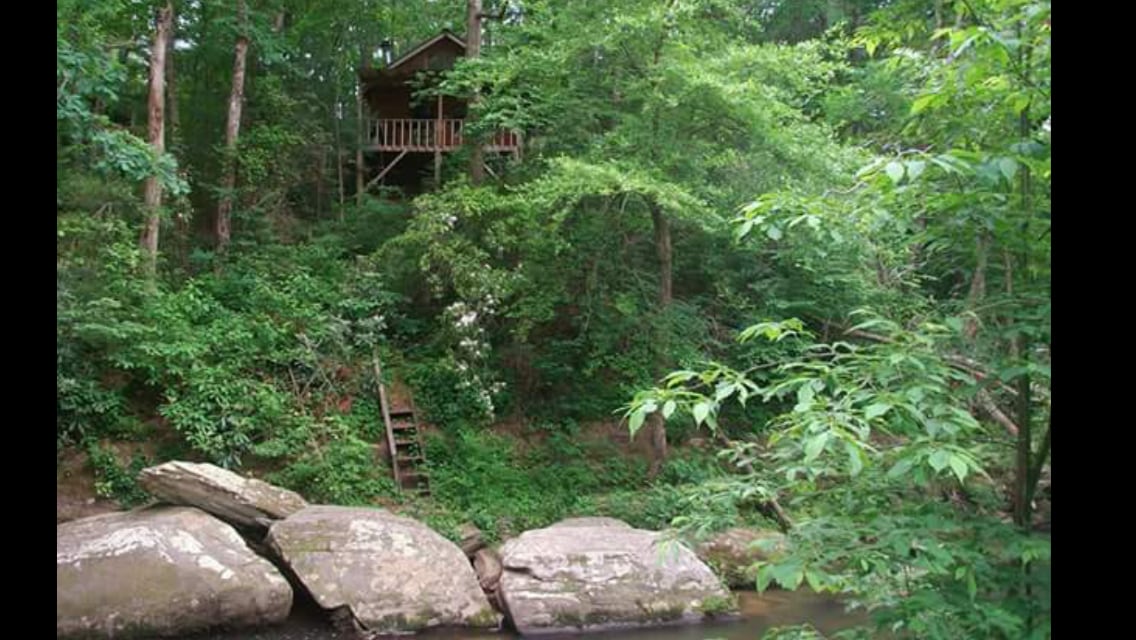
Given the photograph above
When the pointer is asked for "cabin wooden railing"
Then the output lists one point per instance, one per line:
(421, 134)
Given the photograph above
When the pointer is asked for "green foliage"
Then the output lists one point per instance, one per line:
(482, 476)
(809, 159)
(116, 481)
(342, 472)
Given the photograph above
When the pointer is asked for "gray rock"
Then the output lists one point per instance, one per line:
(395, 574)
(160, 571)
(590, 521)
(235, 499)
(487, 566)
(733, 553)
(471, 539)
(593, 574)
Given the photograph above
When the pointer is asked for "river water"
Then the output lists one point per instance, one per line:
(759, 614)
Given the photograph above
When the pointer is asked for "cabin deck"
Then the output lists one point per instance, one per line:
(422, 134)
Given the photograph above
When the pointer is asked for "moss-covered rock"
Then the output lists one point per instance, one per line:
(585, 575)
(160, 571)
(734, 553)
(395, 574)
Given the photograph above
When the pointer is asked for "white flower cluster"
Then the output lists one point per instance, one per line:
(473, 349)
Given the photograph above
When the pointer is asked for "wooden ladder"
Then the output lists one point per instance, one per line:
(404, 440)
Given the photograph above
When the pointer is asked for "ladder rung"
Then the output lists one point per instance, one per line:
(402, 426)
(399, 443)
(411, 458)
(400, 411)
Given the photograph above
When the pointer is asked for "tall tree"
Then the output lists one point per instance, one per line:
(473, 50)
(223, 228)
(152, 189)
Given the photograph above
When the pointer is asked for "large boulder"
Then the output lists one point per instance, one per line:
(395, 574)
(593, 574)
(733, 553)
(241, 501)
(160, 571)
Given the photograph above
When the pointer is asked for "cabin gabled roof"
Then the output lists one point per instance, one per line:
(445, 34)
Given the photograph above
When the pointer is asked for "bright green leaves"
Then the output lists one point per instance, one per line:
(635, 421)
(700, 411)
(895, 171)
(697, 394)
(939, 458)
(815, 444)
(773, 331)
(876, 409)
(789, 575)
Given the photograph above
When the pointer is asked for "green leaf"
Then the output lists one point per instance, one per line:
(814, 580)
(636, 421)
(915, 168)
(788, 575)
(668, 408)
(939, 460)
(724, 391)
(764, 577)
(1008, 167)
(900, 468)
(679, 377)
(876, 410)
(854, 458)
(921, 103)
(773, 232)
(894, 170)
(814, 446)
(958, 465)
(744, 229)
(700, 411)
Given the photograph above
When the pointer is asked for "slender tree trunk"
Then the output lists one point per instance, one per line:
(360, 173)
(359, 177)
(665, 254)
(977, 283)
(232, 132)
(1020, 347)
(174, 139)
(473, 50)
(339, 149)
(321, 170)
(339, 170)
(152, 189)
(657, 428)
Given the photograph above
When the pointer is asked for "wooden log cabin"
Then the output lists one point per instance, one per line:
(407, 133)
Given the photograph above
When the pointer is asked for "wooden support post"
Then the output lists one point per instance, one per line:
(438, 140)
(387, 168)
(385, 408)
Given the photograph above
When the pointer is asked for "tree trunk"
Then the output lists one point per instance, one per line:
(232, 132)
(321, 169)
(360, 174)
(152, 189)
(665, 254)
(1020, 349)
(657, 428)
(174, 141)
(473, 50)
(339, 149)
(977, 283)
